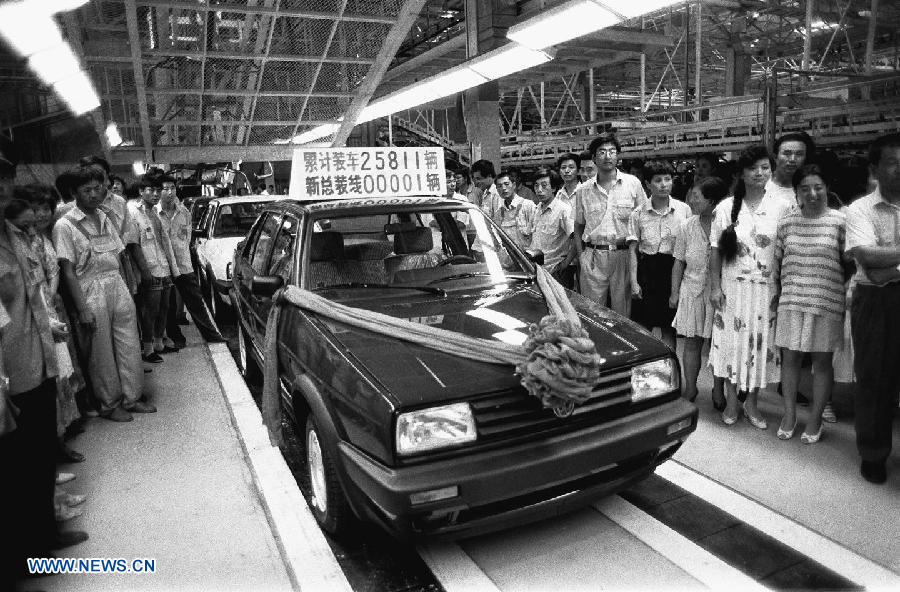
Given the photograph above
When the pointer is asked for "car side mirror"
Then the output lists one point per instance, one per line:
(266, 285)
(535, 256)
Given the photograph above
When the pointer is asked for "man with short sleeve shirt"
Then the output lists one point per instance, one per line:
(873, 238)
(553, 227)
(513, 213)
(176, 225)
(567, 167)
(603, 206)
(153, 295)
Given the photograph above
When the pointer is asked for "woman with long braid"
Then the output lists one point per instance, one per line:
(742, 238)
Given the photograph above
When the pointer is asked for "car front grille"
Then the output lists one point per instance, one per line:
(510, 413)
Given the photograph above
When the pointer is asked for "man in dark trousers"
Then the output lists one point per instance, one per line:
(873, 238)
(176, 222)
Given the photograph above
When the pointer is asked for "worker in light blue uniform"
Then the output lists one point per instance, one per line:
(88, 247)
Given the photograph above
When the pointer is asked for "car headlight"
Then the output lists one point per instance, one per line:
(654, 379)
(437, 427)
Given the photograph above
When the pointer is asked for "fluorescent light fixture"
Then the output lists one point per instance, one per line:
(562, 23)
(447, 83)
(506, 60)
(577, 18)
(316, 133)
(26, 31)
(137, 167)
(112, 135)
(54, 63)
(78, 93)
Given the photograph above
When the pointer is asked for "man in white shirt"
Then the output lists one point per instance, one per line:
(873, 238)
(176, 225)
(791, 151)
(553, 227)
(567, 166)
(511, 212)
(483, 174)
(153, 295)
(603, 207)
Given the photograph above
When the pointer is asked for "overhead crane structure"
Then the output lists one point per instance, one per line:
(208, 80)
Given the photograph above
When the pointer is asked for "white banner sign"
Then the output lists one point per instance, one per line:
(336, 173)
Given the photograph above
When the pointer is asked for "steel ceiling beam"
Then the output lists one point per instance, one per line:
(230, 55)
(453, 44)
(409, 12)
(279, 12)
(249, 93)
(221, 153)
(259, 122)
(140, 87)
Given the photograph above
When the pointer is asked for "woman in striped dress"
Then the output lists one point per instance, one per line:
(808, 256)
(742, 237)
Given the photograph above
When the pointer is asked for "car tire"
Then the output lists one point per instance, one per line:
(246, 364)
(326, 496)
(212, 299)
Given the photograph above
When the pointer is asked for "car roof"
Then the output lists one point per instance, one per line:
(248, 199)
(366, 204)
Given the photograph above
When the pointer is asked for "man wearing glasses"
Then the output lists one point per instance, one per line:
(603, 205)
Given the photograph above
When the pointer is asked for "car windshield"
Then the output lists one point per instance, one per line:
(447, 249)
(236, 219)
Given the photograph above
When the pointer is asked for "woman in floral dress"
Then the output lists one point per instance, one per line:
(742, 238)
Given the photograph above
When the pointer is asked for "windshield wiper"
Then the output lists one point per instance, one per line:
(471, 274)
(428, 289)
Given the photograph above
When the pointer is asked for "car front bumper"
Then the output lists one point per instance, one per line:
(506, 486)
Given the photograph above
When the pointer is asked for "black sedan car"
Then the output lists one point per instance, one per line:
(413, 438)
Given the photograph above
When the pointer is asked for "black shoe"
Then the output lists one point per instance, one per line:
(873, 472)
(68, 538)
(152, 358)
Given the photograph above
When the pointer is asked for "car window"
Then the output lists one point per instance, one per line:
(237, 218)
(455, 248)
(263, 245)
(197, 213)
(283, 251)
(208, 215)
(249, 244)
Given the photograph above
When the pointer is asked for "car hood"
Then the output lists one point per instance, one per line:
(417, 375)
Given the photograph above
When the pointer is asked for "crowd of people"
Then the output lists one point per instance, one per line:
(92, 288)
(768, 261)
(774, 261)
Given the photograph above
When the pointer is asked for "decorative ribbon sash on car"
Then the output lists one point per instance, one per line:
(558, 363)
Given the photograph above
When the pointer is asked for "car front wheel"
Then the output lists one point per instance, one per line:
(249, 370)
(327, 500)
